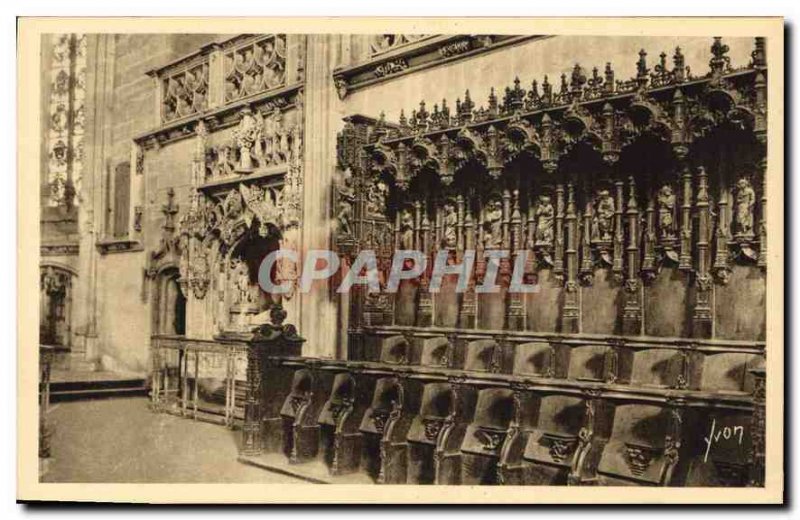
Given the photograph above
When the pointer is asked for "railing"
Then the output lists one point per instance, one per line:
(198, 378)
(45, 364)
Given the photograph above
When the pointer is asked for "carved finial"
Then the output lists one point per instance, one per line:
(445, 112)
(609, 78)
(403, 120)
(564, 86)
(570, 199)
(533, 94)
(170, 209)
(547, 91)
(465, 109)
(422, 117)
(641, 65)
(492, 102)
(759, 54)
(577, 79)
(515, 98)
(277, 314)
(632, 194)
(719, 63)
(702, 190)
(679, 70)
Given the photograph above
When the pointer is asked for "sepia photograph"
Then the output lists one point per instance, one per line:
(518, 258)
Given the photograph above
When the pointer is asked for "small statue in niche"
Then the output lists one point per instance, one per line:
(224, 161)
(246, 135)
(406, 230)
(346, 199)
(493, 225)
(449, 222)
(544, 221)
(241, 282)
(602, 221)
(666, 212)
(376, 197)
(745, 202)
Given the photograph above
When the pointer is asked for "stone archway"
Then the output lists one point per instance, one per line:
(55, 317)
(169, 303)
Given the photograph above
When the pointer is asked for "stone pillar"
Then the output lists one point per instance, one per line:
(99, 102)
(317, 309)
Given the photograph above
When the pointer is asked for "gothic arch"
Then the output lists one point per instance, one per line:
(55, 316)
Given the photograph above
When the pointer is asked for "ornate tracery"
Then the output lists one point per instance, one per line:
(595, 173)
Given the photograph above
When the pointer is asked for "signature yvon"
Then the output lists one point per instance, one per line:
(725, 434)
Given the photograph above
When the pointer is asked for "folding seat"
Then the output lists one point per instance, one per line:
(299, 412)
(430, 434)
(484, 437)
(645, 446)
(385, 426)
(339, 420)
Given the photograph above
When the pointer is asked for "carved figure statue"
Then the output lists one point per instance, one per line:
(745, 201)
(493, 225)
(602, 221)
(241, 282)
(247, 134)
(346, 200)
(449, 223)
(406, 230)
(376, 197)
(224, 164)
(666, 211)
(544, 220)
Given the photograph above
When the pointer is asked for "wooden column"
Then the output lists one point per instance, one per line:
(515, 310)
(702, 314)
(632, 312)
(571, 310)
(425, 306)
(468, 312)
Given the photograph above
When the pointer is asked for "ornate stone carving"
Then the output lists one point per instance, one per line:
(639, 457)
(493, 224)
(745, 203)
(255, 67)
(345, 205)
(381, 43)
(666, 212)
(390, 67)
(545, 215)
(246, 135)
(603, 218)
(406, 230)
(185, 93)
(449, 223)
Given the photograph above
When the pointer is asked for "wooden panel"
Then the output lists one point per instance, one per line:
(543, 308)
(740, 305)
(665, 304)
(601, 304)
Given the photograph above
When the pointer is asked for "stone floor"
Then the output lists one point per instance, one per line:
(121, 440)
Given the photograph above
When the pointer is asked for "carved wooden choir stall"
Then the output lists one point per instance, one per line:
(638, 358)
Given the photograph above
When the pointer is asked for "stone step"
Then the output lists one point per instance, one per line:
(314, 471)
(81, 385)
